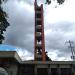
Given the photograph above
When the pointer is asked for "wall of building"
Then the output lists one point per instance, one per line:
(27, 69)
(10, 68)
(54, 69)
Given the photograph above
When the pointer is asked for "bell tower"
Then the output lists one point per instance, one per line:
(39, 44)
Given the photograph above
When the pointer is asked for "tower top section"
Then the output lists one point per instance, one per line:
(35, 3)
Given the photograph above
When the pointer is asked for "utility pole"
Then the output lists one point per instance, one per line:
(72, 49)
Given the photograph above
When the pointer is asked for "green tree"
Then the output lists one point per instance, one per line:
(58, 1)
(3, 21)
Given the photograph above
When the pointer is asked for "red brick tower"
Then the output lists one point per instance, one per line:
(39, 44)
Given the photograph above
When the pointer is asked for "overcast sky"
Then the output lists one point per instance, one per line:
(59, 24)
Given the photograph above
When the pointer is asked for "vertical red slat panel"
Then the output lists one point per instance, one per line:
(35, 32)
(43, 42)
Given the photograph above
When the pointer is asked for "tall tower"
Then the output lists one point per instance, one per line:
(39, 44)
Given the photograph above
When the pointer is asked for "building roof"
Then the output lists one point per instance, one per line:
(48, 62)
(14, 55)
(10, 54)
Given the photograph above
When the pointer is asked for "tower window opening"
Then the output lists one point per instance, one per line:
(38, 8)
(38, 22)
(38, 15)
(39, 42)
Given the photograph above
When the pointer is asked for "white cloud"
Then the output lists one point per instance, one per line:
(61, 13)
(59, 26)
(24, 54)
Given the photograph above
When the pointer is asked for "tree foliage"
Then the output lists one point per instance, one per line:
(58, 1)
(3, 21)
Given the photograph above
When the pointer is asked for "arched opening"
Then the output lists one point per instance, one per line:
(3, 71)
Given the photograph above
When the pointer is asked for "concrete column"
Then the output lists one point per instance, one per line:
(35, 70)
(59, 71)
(73, 71)
(49, 71)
